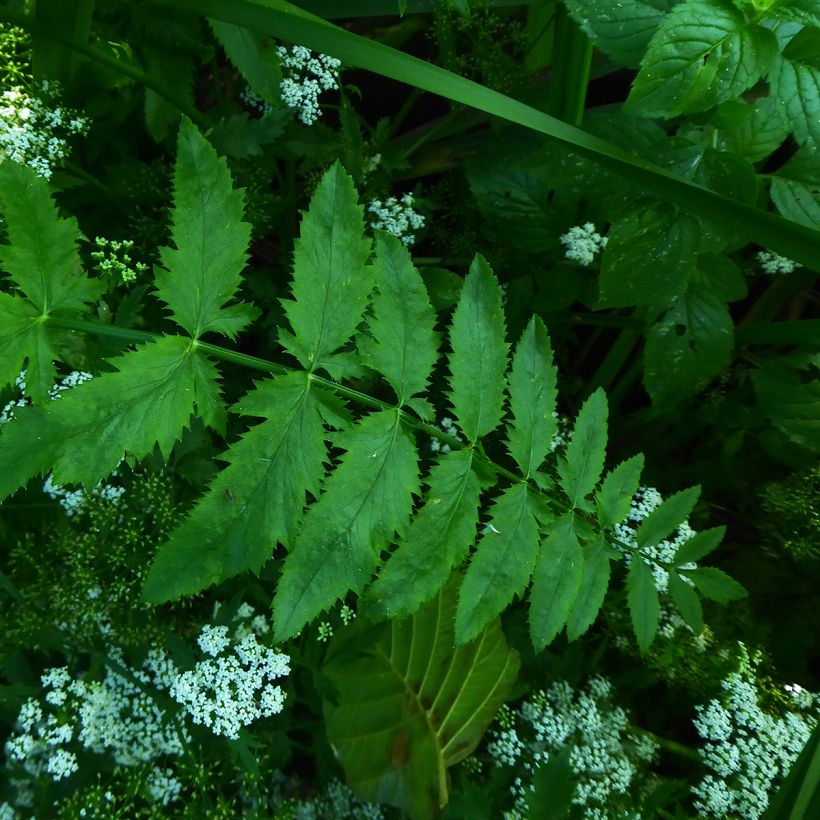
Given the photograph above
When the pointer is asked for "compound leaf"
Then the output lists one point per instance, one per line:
(687, 602)
(331, 278)
(366, 501)
(699, 546)
(203, 272)
(533, 393)
(592, 591)
(502, 564)
(403, 345)
(642, 599)
(715, 584)
(437, 540)
(410, 705)
(583, 463)
(667, 517)
(614, 498)
(479, 353)
(254, 503)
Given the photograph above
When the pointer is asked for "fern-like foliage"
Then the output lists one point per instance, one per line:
(379, 520)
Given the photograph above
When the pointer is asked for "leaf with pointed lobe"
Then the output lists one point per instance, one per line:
(366, 501)
(667, 517)
(146, 403)
(642, 599)
(686, 600)
(559, 572)
(583, 462)
(203, 272)
(331, 278)
(24, 337)
(254, 503)
(403, 343)
(699, 546)
(533, 394)
(478, 360)
(614, 497)
(592, 591)
(502, 563)
(715, 584)
(438, 539)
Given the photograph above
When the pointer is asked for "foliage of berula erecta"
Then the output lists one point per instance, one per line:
(409, 409)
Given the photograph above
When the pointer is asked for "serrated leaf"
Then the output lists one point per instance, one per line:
(583, 463)
(797, 201)
(703, 53)
(410, 705)
(667, 517)
(254, 55)
(643, 601)
(757, 135)
(715, 584)
(686, 600)
(795, 86)
(367, 500)
(533, 394)
(478, 360)
(255, 502)
(647, 256)
(621, 30)
(203, 272)
(85, 434)
(614, 498)
(331, 277)
(502, 563)
(591, 594)
(438, 539)
(403, 345)
(689, 345)
(42, 261)
(699, 546)
(557, 580)
(243, 136)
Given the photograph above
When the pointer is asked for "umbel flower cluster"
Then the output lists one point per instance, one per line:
(114, 257)
(605, 756)
(306, 76)
(582, 242)
(34, 133)
(397, 217)
(747, 749)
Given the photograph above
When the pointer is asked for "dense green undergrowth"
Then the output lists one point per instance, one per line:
(409, 408)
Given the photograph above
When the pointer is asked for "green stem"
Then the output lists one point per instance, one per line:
(571, 63)
(82, 30)
(24, 21)
(679, 749)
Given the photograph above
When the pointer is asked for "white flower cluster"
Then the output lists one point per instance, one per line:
(339, 803)
(645, 501)
(773, 263)
(7, 812)
(582, 242)
(114, 715)
(114, 257)
(54, 392)
(397, 217)
(227, 692)
(747, 749)
(73, 501)
(162, 786)
(34, 134)
(305, 77)
(603, 754)
(562, 434)
(447, 426)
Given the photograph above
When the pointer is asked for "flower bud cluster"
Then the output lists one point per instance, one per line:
(114, 257)
(582, 242)
(397, 217)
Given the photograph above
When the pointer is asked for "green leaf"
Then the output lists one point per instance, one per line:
(331, 278)
(715, 584)
(553, 787)
(438, 539)
(85, 434)
(759, 134)
(403, 346)
(690, 344)
(795, 189)
(648, 254)
(243, 136)
(621, 30)
(804, 47)
(533, 394)
(254, 56)
(502, 563)
(687, 602)
(795, 85)
(558, 576)
(204, 271)
(699, 546)
(703, 53)
(667, 517)
(798, 797)
(410, 705)
(643, 601)
(256, 501)
(478, 360)
(617, 489)
(42, 261)
(790, 399)
(581, 468)
(591, 594)
(366, 500)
